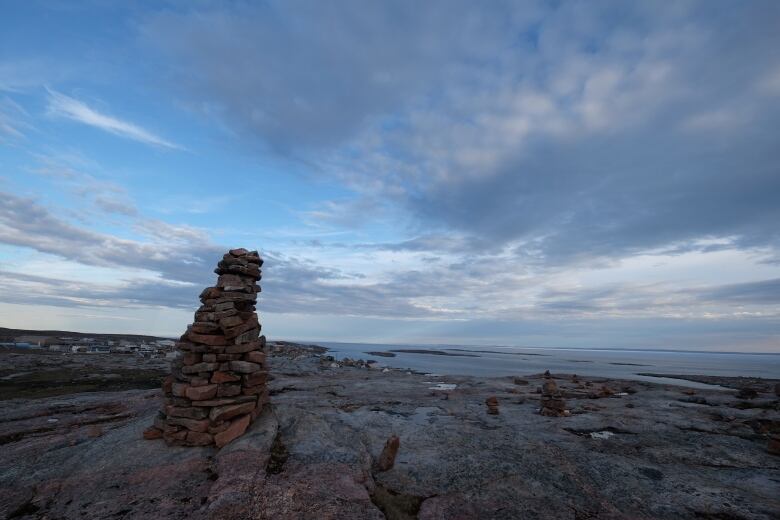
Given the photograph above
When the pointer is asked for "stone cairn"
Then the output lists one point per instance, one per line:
(218, 384)
(553, 404)
(492, 405)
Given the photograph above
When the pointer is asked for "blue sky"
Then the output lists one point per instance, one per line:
(561, 174)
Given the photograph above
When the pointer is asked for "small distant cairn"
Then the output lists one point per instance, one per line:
(218, 384)
(553, 404)
(492, 405)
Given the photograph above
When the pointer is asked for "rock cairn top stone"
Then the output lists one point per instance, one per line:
(217, 385)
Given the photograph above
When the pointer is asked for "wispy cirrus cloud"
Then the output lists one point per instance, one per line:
(69, 171)
(70, 108)
(13, 118)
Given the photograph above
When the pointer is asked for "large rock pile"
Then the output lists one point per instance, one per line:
(218, 384)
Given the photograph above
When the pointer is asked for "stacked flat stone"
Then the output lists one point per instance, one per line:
(553, 404)
(218, 384)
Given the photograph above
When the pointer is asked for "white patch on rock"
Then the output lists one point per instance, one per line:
(443, 386)
(601, 435)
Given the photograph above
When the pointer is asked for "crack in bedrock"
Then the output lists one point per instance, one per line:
(278, 456)
(395, 505)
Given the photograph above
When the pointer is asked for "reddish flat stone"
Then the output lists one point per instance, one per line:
(152, 433)
(232, 279)
(232, 332)
(220, 413)
(190, 358)
(230, 321)
(186, 346)
(256, 378)
(236, 429)
(199, 438)
(219, 426)
(188, 412)
(255, 357)
(180, 401)
(199, 367)
(228, 357)
(205, 316)
(244, 367)
(247, 336)
(224, 314)
(205, 327)
(228, 390)
(224, 307)
(225, 400)
(224, 377)
(194, 425)
(210, 292)
(251, 270)
(201, 393)
(199, 381)
(234, 296)
(207, 339)
(173, 437)
(179, 389)
(249, 289)
(254, 390)
(244, 347)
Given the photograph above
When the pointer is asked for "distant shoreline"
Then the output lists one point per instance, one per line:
(629, 364)
(476, 348)
(9, 332)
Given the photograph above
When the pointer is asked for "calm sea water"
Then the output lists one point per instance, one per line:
(510, 361)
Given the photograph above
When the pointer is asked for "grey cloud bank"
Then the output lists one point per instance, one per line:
(566, 129)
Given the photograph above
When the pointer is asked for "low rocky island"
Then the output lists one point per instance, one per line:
(349, 440)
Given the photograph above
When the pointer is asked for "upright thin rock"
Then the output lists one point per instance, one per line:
(218, 384)
(389, 452)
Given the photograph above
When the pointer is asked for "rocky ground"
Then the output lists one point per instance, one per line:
(630, 450)
(38, 373)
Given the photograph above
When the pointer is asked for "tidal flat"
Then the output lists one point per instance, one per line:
(627, 449)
